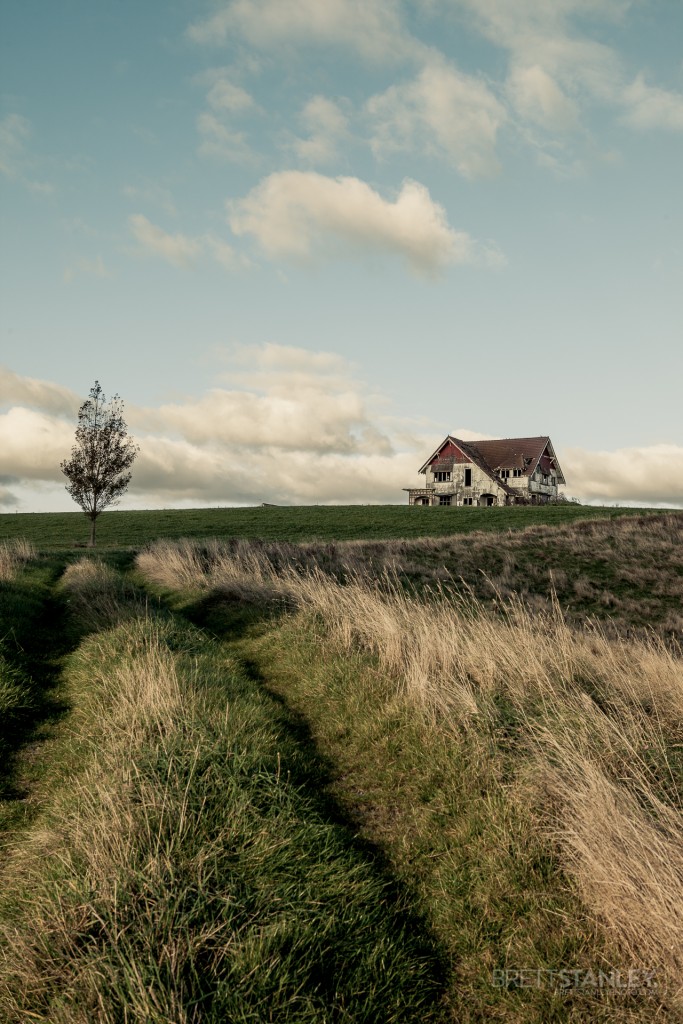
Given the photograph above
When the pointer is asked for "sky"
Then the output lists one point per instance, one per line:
(306, 239)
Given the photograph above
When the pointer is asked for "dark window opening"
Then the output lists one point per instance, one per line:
(468, 477)
(444, 499)
(441, 476)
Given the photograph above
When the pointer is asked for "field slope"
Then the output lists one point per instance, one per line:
(346, 779)
(315, 522)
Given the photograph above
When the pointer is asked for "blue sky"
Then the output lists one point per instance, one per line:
(305, 239)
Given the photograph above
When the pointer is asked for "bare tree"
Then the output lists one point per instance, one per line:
(98, 470)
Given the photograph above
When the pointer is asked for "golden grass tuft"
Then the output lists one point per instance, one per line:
(98, 595)
(14, 554)
(129, 689)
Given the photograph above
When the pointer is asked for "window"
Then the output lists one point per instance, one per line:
(504, 474)
(444, 499)
(441, 476)
(517, 472)
(468, 477)
(467, 501)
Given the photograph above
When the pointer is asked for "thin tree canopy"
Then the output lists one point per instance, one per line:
(99, 468)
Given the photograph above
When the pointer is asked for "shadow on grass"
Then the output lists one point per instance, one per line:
(310, 772)
(36, 633)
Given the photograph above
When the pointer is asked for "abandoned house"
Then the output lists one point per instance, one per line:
(511, 471)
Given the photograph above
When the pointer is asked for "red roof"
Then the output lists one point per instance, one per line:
(523, 453)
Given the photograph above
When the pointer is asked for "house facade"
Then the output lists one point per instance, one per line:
(509, 471)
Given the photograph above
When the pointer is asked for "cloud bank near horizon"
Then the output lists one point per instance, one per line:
(286, 426)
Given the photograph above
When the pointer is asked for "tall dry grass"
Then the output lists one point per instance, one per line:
(598, 720)
(99, 597)
(627, 571)
(138, 701)
(14, 554)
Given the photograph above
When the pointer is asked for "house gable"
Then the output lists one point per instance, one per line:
(449, 450)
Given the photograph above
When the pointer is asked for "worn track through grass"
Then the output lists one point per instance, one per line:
(573, 739)
(189, 866)
(342, 762)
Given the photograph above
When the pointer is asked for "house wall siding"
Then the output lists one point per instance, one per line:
(481, 483)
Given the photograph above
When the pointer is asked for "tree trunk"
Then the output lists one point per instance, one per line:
(91, 542)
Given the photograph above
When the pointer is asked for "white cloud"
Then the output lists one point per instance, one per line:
(328, 127)
(33, 443)
(554, 69)
(286, 398)
(178, 471)
(557, 70)
(445, 111)
(178, 250)
(183, 251)
(36, 394)
(538, 98)
(227, 101)
(373, 28)
(649, 474)
(296, 214)
(538, 32)
(224, 254)
(276, 359)
(219, 140)
(224, 95)
(649, 107)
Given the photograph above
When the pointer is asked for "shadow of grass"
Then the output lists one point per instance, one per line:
(311, 773)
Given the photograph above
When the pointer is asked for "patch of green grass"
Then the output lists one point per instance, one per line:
(201, 872)
(33, 638)
(324, 522)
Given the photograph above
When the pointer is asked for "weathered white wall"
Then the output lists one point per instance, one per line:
(481, 484)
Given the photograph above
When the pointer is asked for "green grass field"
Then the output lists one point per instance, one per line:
(312, 522)
(224, 800)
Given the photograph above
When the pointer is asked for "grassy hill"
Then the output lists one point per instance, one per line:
(313, 522)
(311, 766)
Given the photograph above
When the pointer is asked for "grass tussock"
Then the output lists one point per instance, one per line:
(13, 555)
(99, 596)
(586, 726)
(186, 870)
